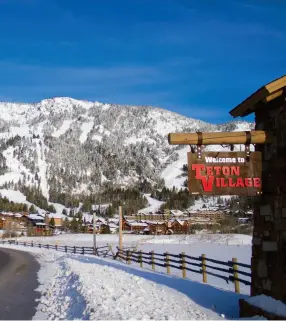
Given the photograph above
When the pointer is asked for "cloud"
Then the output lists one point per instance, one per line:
(119, 75)
(202, 112)
(257, 7)
(201, 24)
(121, 84)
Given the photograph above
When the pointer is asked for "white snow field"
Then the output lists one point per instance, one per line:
(221, 247)
(153, 205)
(88, 288)
(132, 239)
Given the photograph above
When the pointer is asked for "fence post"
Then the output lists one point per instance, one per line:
(56, 246)
(32, 244)
(235, 275)
(74, 250)
(168, 262)
(66, 249)
(204, 268)
(153, 260)
(83, 250)
(140, 259)
(184, 271)
(110, 250)
(128, 257)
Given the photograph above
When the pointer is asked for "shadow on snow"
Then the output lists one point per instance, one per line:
(212, 298)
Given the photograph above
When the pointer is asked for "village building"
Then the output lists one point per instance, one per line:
(148, 217)
(157, 228)
(12, 221)
(177, 214)
(37, 225)
(98, 228)
(178, 227)
(133, 226)
(212, 215)
(58, 219)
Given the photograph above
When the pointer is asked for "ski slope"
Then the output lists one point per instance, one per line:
(153, 205)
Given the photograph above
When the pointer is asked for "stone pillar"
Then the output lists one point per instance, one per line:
(269, 234)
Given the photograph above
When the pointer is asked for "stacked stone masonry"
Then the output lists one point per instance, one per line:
(269, 235)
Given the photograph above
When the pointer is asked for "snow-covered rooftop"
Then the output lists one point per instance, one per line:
(35, 217)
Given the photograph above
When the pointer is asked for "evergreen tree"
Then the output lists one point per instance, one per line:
(74, 226)
(66, 224)
(52, 222)
(51, 209)
(32, 209)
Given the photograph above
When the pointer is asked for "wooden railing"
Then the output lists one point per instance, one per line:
(230, 271)
(100, 251)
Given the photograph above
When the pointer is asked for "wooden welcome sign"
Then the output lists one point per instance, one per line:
(223, 173)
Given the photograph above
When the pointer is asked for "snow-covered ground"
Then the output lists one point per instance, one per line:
(153, 205)
(19, 197)
(65, 126)
(172, 174)
(133, 240)
(221, 247)
(85, 128)
(86, 288)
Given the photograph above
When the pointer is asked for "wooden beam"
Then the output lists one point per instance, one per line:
(249, 105)
(273, 96)
(219, 138)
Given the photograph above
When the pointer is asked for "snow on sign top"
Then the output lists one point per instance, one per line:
(268, 304)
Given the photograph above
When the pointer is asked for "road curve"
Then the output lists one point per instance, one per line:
(18, 281)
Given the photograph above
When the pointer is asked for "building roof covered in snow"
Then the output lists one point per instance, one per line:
(137, 224)
(177, 213)
(35, 217)
(55, 215)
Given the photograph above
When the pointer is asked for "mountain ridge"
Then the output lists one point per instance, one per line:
(77, 146)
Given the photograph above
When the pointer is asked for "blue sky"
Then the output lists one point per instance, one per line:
(198, 58)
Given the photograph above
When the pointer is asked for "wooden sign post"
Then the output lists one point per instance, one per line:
(268, 262)
(220, 138)
(223, 173)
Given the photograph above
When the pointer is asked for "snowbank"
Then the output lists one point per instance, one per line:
(268, 304)
(88, 288)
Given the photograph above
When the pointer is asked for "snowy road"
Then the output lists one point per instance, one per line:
(18, 281)
(84, 287)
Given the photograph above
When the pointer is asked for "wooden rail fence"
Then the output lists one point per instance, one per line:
(103, 251)
(229, 271)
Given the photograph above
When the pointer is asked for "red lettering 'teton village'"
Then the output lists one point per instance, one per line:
(207, 175)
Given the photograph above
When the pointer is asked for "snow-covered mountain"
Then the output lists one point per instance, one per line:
(68, 145)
